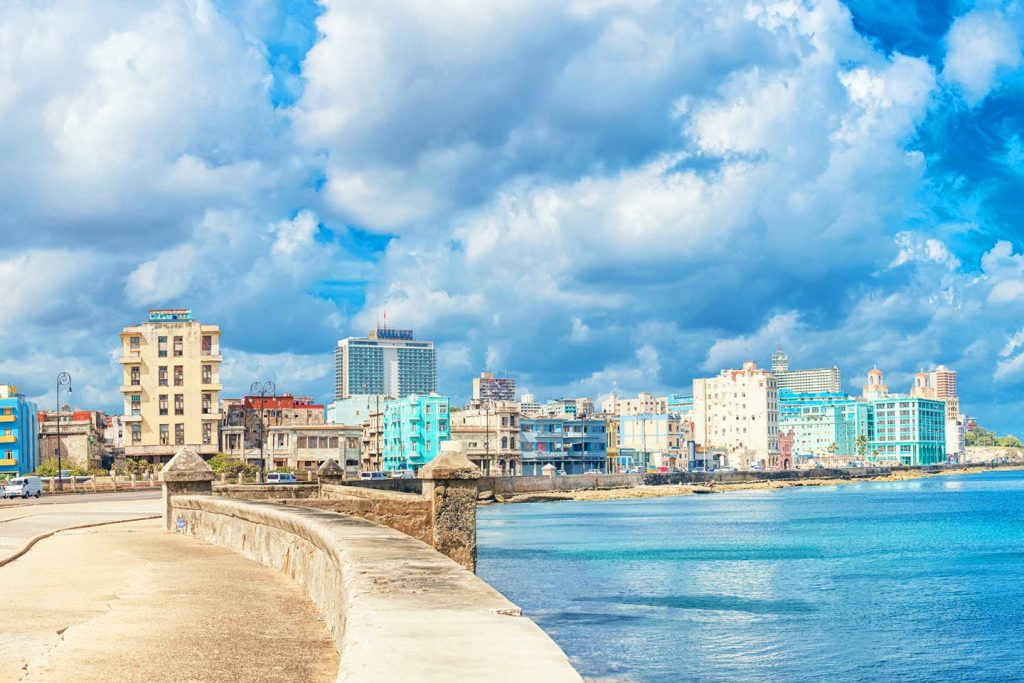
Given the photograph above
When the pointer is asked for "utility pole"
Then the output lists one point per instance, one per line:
(63, 380)
(261, 389)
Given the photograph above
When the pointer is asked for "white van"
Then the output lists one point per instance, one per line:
(23, 487)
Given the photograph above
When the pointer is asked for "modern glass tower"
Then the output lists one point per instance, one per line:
(386, 363)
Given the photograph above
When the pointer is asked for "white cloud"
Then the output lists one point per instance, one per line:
(981, 44)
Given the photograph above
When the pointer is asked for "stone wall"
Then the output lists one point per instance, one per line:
(405, 512)
(266, 491)
(397, 609)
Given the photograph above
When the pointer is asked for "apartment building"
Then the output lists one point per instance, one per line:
(414, 428)
(804, 381)
(19, 433)
(574, 446)
(308, 446)
(487, 387)
(738, 412)
(940, 384)
(528, 405)
(171, 386)
(657, 440)
(909, 430)
(372, 458)
(644, 404)
(491, 433)
(82, 442)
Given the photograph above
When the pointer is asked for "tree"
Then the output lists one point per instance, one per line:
(862, 445)
(232, 467)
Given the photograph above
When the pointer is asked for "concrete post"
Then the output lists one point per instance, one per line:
(241, 478)
(330, 472)
(186, 474)
(450, 484)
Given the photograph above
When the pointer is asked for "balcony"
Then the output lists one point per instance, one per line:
(132, 359)
(130, 388)
(212, 386)
(8, 438)
(8, 418)
(8, 462)
(132, 418)
(211, 356)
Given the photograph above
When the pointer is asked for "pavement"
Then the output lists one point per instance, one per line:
(78, 498)
(129, 601)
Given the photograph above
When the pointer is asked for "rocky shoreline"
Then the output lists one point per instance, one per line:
(672, 490)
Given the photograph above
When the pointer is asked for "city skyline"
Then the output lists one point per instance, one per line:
(589, 195)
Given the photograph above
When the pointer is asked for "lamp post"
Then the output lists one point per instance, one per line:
(261, 389)
(63, 380)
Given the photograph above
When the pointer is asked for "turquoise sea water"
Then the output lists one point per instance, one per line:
(903, 581)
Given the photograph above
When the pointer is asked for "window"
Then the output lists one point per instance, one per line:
(334, 442)
(207, 404)
(207, 433)
(165, 435)
(179, 346)
(179, 404)
(136, 433)
(163, 404)
(136, 377)
(207, 344)
(133, 345)
(161, 347)
(282, 440)
(162, 376)
(302, 442)
(442, 425)
(427, 409)
(136, 404)
(179, 434)
(179, 375)
(324, 441)
(207, 374)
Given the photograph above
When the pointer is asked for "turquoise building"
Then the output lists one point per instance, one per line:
(414, 428)
(19, 434)
(819, 430)
(908, 429)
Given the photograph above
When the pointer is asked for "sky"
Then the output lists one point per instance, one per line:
(587, 195)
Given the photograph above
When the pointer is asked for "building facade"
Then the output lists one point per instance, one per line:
(82, 442)
(373, 442)
(738, 412)
(487, 387)
(644, 404)
(819, 431)
(657, 440)
(171, 386)
(571, 445)
(491, 433)
(528, 405)
(19, 433)
(414, 428)
(387, 363)
(804, 381)
(308, 446)
(909, 430)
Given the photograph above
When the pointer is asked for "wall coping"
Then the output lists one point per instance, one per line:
(410, 613)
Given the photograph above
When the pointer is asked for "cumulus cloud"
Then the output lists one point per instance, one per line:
(982, 44)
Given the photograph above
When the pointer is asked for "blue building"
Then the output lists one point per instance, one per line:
(19, 433)
(414, 428)
(575, 446)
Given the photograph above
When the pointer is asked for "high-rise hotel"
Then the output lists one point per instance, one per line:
(171, 385)
(387, 362)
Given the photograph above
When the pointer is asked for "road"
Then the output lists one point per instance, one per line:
(79, 498)
(24, 522)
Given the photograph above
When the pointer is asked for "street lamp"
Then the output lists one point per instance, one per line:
(63, 380)
(261, 389)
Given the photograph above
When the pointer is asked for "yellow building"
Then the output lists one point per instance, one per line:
(171, 385)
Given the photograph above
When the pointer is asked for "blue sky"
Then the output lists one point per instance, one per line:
(586, 194)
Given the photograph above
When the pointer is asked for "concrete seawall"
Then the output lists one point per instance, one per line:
(397, 609)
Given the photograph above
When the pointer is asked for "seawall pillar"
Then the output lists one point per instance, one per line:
(187, 474)
(450, 484)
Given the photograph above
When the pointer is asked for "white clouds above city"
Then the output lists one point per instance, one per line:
(582, 194)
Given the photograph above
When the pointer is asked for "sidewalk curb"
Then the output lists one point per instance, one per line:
(27, 545)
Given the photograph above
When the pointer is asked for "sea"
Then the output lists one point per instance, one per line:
(918, 580)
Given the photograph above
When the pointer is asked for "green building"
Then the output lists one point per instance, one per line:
(909, 430)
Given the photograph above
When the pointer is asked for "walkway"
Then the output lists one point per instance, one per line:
(131, 602)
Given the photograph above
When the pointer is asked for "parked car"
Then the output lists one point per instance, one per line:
(372, 476)
(560, 473)
(23, 487)
(403, 474)
(593, 472)
(281, 478)
(698, 469)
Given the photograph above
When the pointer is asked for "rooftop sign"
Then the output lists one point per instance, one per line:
(166, 315)
(388, 333)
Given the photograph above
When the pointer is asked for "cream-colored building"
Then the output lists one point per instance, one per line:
(940, 384)
(171, 386)
(738, 412)
(644, 404)
(491, 434)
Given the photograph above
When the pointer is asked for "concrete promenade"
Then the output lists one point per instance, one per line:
(130, 602)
